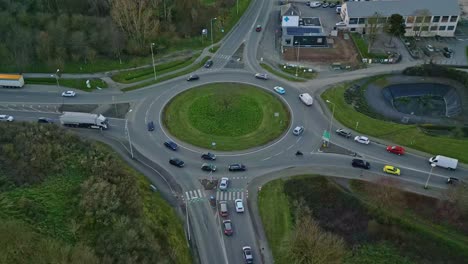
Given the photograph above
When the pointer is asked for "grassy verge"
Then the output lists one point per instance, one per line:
(406, 135)
(214, 48)
(148, 73)
(276, 215)
(168, 77)
(373, 234)
(72, 83)
(280, 74)
(302, 72)
(362, 46)
(234, 116)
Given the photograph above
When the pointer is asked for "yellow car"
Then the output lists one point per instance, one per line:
(391, 170)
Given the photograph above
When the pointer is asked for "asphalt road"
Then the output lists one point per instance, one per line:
(204, 222)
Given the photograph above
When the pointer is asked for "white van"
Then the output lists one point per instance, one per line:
(306, 99)
(338, 9)
(444, 162)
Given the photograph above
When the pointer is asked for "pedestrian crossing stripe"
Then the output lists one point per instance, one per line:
(229, 196)
(194, 194)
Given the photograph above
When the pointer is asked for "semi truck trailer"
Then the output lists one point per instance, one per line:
(444, 162)
(11, 80)
(76, 119)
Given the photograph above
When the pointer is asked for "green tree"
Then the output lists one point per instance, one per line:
(395, 26)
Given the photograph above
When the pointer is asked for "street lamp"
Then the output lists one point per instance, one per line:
(331, 118)
(430, 173)
(298, 43)
(152, 56)
(211, 21)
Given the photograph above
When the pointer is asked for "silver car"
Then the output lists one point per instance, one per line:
(223, 184)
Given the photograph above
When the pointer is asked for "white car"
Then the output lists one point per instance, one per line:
(362, 140)
(68, 94)
(279, 89)
(315, 4)
(262, 76)
(239, 205)
(6, 118)
(298, 130)
(430, 48)
(223, 185)
(340, 24)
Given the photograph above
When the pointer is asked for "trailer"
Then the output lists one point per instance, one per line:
(77, 119)
(444, 162)
(11, 80)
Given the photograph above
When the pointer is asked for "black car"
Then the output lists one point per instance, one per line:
(45, 120)
(150, 126)
(237, 167)
(171, 145)
(208, 64)
(208, 156)
(208, 167)
(343, 133)
(360, 163)
(176, 162)
(193, 77)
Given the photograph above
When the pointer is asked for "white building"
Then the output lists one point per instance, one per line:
(423, 18)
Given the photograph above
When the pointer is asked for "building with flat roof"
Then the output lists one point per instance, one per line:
(423, 18)
(302, 31)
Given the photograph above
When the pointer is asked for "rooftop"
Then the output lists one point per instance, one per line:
(403, 7)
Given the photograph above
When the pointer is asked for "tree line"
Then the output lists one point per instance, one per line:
(53, 32)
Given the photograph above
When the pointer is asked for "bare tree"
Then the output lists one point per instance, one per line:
(372, 28)
(458, 195)
(385, 193)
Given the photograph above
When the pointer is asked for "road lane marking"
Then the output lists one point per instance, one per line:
(266, 158)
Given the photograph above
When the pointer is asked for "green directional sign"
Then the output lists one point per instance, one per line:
(326, 135)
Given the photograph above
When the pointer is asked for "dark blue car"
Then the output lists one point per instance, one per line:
(150, 126)
(171, 145)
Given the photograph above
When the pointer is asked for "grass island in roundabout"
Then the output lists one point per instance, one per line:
(226, 116)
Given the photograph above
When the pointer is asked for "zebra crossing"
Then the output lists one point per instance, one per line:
(195, 195)
(199, 195)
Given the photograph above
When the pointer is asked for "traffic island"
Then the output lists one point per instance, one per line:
(226, 116)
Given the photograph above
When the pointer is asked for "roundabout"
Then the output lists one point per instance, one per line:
(226, 116)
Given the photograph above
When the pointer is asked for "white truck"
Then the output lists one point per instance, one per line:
(76, 119)
(11, 80)
(444, 162)
(306, 99)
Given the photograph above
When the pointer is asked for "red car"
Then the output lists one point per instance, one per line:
(258, 28)
(227, 227)
(396, 150)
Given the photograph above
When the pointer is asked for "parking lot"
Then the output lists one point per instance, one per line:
(438, 44)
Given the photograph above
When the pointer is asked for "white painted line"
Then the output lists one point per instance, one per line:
(242, 195)
(266, 158)
(187, 194)
(199, 193)
(278, 153)
(218, 198)
(290, 147)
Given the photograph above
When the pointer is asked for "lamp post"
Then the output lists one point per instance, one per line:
(152, 56)
(57, 76)
(298, 43)
(331, 118)
(428, 177)
(237, 6)
(211, 21)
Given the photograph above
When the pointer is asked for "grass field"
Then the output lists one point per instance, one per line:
(301, 72)
(168, 77)
(72, 83)
(361, 44)
(148, 73)
(281, 74)
(405, 135)
(234, 116)
(372, 234)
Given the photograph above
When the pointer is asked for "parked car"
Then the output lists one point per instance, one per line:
(208, 156)
(325, 5)
(341, 24)
(396, 150)
(298, 130)
(208, 64)
(391, 170)
(6, 118)
(227, 226)
(279, 89)
(430, 48)
(362, 140)
(237, 167)
(258, 28)
(448, 52)
(248, 256)
(208, 167)
(176, 162)
(150, 126)
(239, 205)
(343, 133)
(360, 163)
(262, 76)
(452, 180)
(447, 49)
(332, 5)
(223, 184)
(192, 77)
(315, 4)
(69, 94)
(45, 120)
(171, 145)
